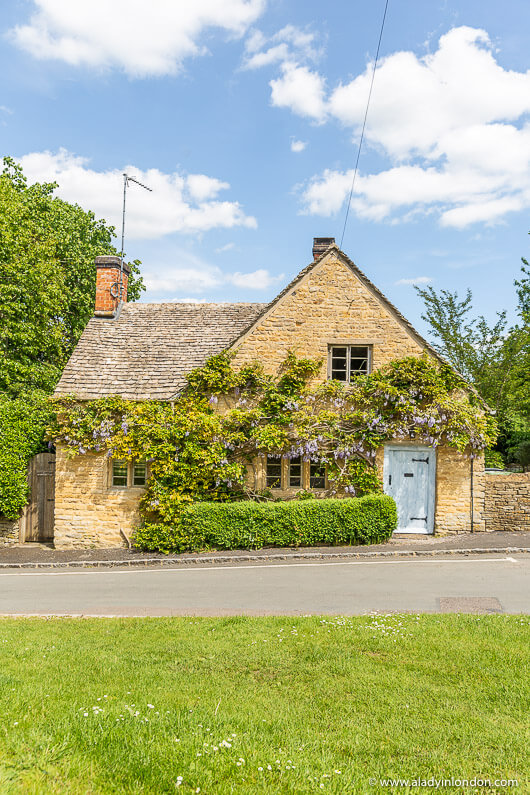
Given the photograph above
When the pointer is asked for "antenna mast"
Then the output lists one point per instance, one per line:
(126, 180)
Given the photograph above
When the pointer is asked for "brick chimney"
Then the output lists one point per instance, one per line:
(320, 244)
(108, 285)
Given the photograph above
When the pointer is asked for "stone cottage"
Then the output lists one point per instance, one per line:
(331, 310)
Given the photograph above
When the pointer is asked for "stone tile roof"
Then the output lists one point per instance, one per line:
(147, 351)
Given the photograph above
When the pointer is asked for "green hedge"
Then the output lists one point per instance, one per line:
(251, 525)
(22, 424)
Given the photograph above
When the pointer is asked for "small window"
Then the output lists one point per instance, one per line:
(139, 473)
(119, 473)
(348, 361)
(295, 472)
(317, 475)
(274, 473)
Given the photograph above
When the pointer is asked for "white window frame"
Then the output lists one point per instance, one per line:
(349, 346)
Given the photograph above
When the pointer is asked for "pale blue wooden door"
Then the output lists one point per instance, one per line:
(410, 479)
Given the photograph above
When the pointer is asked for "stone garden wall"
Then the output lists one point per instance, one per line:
(8, 531)
(507, 501)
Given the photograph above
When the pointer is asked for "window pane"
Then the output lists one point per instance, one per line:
(119, 473)
(274, 473)
(317, 475)
(339, 363)
(295, 472)
(359, 351)
(358, 360)
(139, 474)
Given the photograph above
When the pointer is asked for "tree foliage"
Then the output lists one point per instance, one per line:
(47, 279)
(47, 292)
(23, 421)
(198, 452)
(494, 357)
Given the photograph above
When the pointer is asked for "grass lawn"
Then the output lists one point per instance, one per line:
(262, 705)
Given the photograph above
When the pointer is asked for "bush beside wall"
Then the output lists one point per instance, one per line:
(252, 525)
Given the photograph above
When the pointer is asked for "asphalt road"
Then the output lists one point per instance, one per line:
(483, 583)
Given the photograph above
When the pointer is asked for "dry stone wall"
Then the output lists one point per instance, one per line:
(9, 531)
(507, 501)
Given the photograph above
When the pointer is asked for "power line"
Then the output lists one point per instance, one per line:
(364, 123)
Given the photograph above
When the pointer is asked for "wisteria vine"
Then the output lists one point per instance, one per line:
(199, 446)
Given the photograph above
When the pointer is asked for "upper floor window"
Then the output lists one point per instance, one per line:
(274, 472)
(347, 361)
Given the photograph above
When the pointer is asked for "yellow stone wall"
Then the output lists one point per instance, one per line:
(507, 503)
(89, 512)
(330, 305)
(9, 531)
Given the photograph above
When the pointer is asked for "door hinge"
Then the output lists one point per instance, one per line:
(419, 518)
(421, 460)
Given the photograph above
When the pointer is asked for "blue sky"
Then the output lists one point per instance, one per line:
(244, 118)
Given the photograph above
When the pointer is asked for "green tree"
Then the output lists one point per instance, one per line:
(494, 357)
(47, 279)
(47, 293)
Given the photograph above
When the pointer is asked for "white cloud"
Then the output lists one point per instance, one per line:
(416, 280)
(167, 280)
(288, 44)
(189, 301)
(195, 277)
(298, 146)
(301, 90)
(177, 203)
(257, 280)
(141, 38)
(453, 125)
(226, 247)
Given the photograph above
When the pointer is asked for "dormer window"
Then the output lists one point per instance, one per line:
(348, 361)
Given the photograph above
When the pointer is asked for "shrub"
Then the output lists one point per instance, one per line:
(22, 424)
(522, 454)
(251, 525)
(493, 459)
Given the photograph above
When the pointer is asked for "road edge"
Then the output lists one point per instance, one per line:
(200, 559)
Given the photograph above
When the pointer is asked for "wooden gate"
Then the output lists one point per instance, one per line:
(38, 517)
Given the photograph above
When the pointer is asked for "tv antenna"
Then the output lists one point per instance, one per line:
(126, 179)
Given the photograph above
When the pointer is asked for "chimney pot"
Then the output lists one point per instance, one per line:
(320, 244)
(108, 288)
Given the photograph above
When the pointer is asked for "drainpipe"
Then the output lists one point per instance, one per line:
(472, 457)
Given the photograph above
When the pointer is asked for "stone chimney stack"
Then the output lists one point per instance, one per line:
(320, 244)
(109, 292)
